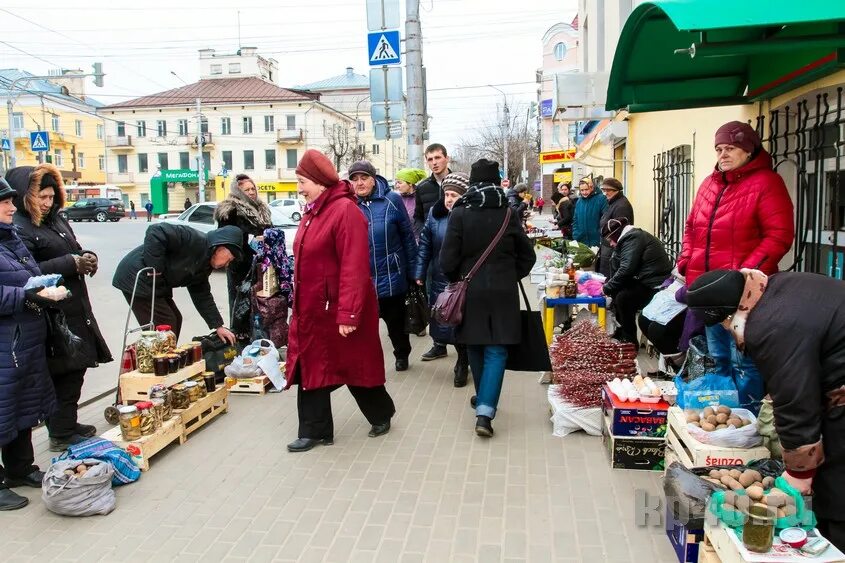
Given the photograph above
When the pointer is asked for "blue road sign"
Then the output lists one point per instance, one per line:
(39, 141)
(6, 145)
(384, 47)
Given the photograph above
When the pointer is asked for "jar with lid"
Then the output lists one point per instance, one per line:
(130, 423)
(758, 532)
(172, 363)
(210, 382)
(200, 381)
(193, 391)
(166, 334)
(184, 357)
(147, 346)
(571, 289)
(160, 365)
(181, 400)
(158, 411)
(148, 419)
(160, 392)
(196, 351)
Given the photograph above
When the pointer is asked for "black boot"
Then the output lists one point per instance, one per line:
(484, 426)
(10, 500)
(461, 367)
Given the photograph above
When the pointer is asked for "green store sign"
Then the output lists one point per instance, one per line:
(182, 175)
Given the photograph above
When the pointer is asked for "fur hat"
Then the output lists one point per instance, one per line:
(318, 168)
(484, 170)
(738, 134)
(716, 294)
(457, 182)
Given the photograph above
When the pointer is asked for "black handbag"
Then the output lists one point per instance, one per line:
(62, 343)
(217, 353)
(532, 354)
(416, 310)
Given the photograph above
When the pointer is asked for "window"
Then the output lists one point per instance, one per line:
(556, 135)
(247, 125)
(234, 68)
(204, 125)
(101, 161)
(184, 160)
(122, 164)
(183, 127)
(17, 121)
(376, 149)
(292, 158)
(54, 123)
(121, 129)
(77, 127)
(559, 51)
(216, 69)
(249, 160)
(58, 161)
(362, 125)
(202, 214)
(673, 196)
(162, 160)
(227, 160)
(100, 133)
(80, 160)
(291, 122)
(270, 159)
(206, 160)
(142, 128)
(161, 128)
(143, 163)
(268, 123)
(226, 126)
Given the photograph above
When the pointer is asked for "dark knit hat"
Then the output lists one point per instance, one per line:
(318, 168)
(738, 134)
(612, 230)
(484, 171)
(6, 191)
(362, 167)
(716, 294)
(457, 182)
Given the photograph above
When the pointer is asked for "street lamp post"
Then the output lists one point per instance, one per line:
(505, 131)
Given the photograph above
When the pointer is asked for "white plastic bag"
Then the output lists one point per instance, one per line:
(730, 437)
(258, 359)
(84, 495)
(663, 307)
(567, 419)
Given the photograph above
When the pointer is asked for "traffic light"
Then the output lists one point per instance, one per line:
(533, 110)
(98, 74)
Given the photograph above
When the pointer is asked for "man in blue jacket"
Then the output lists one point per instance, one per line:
(588, 211)
(393, 252)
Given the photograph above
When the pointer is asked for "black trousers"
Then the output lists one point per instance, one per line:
(315, 409)
(834, 531)
(18, 456)
(665, 338)
(68, 386)
(392, 310)
(166, 312)
(626, 304)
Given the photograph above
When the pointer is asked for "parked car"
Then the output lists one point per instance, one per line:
(200, 216)
(289, 206)
(95, 209)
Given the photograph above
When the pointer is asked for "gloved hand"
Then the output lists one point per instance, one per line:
(84, 264)
(33, 297)
(93, 262)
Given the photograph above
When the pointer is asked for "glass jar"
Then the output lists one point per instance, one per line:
(196, 351)
(160, 365)
(210, 383)
(147, 346)
(200, 381)
(570, 290)
(181, 400)
(758, 532)
(166, 334)
(184, 357)
(193, 391)
(172, 363)
(158, 411)
(130, 423)
(160, 392)
(148, 418)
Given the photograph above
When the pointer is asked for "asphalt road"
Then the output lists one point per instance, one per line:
(112, 241)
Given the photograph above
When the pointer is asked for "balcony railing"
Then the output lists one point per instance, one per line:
(120, 177)
(207, 139)
(290, 135)
(119, 141)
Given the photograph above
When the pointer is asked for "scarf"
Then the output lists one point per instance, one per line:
(755, 286)
(483, 196)
(272, 251)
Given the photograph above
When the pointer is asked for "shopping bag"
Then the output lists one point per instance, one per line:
(217, 353)
(663, 307)
(416, 310)
(269, 283)
(700, 384)
(63, 344)
(78, 494)
(532, 354)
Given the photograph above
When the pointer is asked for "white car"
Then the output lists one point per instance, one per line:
(200, 216)
(289, 206)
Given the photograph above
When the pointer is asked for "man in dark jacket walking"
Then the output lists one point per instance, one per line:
(618, 207)
(640, 266)
(588, 211)
(428, 191)
(149, 208)
(393, 252)
(791, 325)
(182, 257)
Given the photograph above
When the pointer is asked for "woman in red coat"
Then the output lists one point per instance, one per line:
(742, 218)
(334, 335)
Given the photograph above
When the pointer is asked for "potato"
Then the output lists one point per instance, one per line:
(768, 482)
(721, 426)
(708, 411)
(756, 474)
(788, 510)
(743, 503)
(756, 484)
(747, 478)
(735, 422)
(754, 493)
(781, 513)
(745, 421)
(722, 418)
(714, 473)
(735, 473)
(777, 499)
(732, 483)
(723, 410)
(692, 417)
(714, 481)
(695, 423)
(70, 472)
(730, 498)
(707, 427)
(711, 418)
(727, 507)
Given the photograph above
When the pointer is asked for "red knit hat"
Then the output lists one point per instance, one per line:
(738, 134)
(318, 168)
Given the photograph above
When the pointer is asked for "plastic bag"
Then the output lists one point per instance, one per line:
(699, 383)
(416, 310)
(730, 437)
(125, 470)
(766, 429)
(242, 308)
(803, 517)
(76, 495)
(258, 359)
(687, 495)
(46, 280)
(663, 307)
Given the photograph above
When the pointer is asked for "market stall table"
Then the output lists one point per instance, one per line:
(550, 304)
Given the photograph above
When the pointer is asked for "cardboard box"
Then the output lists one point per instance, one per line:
(684, 541)
(646, 454)
(634, 419)
(692, 453)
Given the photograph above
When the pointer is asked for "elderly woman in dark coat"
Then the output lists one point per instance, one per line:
(48, 236)
(26, 394)
(491, 319)
(428, 260)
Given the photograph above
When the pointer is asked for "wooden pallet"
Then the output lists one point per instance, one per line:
(135, 386)
(146, 447)
(692, 453)
(252, 386)
(204, 410)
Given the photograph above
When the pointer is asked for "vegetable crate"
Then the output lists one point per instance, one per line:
(203, 411)
(633, 452)
(251, 386)
(135, 386)
(146, 447)
(722, 545)
(690, 452)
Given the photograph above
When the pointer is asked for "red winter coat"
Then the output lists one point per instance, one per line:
(740, 219)
(332, 287)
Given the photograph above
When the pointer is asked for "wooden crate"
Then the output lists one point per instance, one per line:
(204, 410)
(148, 446)
(252, 386)
(692, 453)
(135, 386)
(722, 546)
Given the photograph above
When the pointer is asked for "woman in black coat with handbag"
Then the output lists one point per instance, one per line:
(48, 236)
(491, 319)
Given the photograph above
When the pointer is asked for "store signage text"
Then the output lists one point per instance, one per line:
(567, 155)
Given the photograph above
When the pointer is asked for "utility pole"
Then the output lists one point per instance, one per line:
(506, 134)
(414, 73)
(200, 160)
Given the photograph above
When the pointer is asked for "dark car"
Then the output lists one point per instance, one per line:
(95, 209)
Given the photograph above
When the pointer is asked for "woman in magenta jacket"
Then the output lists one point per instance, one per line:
(742, 217)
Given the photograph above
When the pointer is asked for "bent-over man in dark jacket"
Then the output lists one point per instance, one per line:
(182, 257)
(640, 265)
(792, 326)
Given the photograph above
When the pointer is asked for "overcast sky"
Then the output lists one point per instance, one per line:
(467, 43)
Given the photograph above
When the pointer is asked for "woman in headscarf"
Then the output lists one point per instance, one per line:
(406, 186)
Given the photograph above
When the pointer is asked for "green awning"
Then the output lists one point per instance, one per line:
(742, 51)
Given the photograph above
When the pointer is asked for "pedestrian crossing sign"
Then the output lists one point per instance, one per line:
(384, 47)
(6, 145)
(39, 141)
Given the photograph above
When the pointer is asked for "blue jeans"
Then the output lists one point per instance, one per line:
(488, 372)
(740, 367)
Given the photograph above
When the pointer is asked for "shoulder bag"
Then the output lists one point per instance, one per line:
(532, 353)
(449, 308)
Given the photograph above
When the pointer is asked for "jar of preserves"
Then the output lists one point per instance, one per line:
(160, 392)
(166, 334)
(196, 351)
(147, 416)
(160, 365)
(210, 383)
(570, 290)
(193, 391)
(181, 400)
(184, 357)
(200, 381)
(130, 423)
(158, 411)
(172, 363)
(758, 532)
(147, 346)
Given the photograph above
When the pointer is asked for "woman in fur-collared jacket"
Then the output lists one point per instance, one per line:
(245, 211)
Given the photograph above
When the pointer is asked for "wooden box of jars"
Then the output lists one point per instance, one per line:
(203, 410)
(159, 362)
(145, 447)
